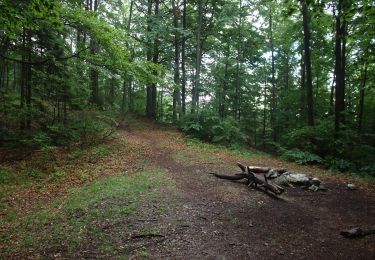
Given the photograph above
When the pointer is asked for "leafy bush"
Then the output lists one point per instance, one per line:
(209, 127)
(340, 165)
(301, 157)
(38, 140)
(86, 128)
(318, 139)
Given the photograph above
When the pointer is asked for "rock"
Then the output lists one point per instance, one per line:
(352, 186)
(322, 188)
(313, 188)
(272, 174)
(282, 181)
(297, 178)
(315, 182)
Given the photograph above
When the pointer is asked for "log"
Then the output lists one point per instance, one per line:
(236, 177)
(258, 169)
(358, 232)
(254, 180)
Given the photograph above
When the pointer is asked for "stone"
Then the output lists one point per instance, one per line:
(297, 178)
(313, 188)
(282, 181)
(315, 182)
(322, 187)
(272, 174)
(352, 186)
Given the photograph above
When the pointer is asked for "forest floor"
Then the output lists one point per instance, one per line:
(148, 194)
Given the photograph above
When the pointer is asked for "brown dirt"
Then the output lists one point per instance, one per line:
(209, 218)
(201, 217)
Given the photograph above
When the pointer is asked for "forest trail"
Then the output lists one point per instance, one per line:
(205, 217)
(176, 210)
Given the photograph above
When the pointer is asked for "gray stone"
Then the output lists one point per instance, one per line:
(352, 186)
(272, 174)
(297, 178)
(313, 188)
(282, 181)
(322, 187)
(315, 181)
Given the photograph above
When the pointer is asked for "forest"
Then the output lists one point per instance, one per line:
(293, 78)
(175, 129)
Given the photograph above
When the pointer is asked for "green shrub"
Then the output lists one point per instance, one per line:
(7, 176)
(301, 157)
(318, 139)
(340, 165)
(209, 127)
(85, 127)
(37, 140)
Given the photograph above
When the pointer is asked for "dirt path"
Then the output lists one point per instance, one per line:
(207, 218)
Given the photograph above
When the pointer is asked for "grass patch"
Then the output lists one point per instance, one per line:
(202, 147)
(71, 223)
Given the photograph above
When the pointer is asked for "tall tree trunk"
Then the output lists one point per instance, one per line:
(307, 56)
(183, 61)
(273, 83)
(176, 92)
(94, 74)
(362, 99)
(23, 78)
(124, 96)
(238, 66)
(222, 104)
(195, 96)
(264, 114)
(340, 66)
(127, 84)
(28, 81)
(303, 86)
(152, 54)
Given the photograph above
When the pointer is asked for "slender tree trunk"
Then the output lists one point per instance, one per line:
(307, 57)
(183, 61)
(273, 83)
(94, 74)
(176, 92)
(303, 86)
(153, 54)
(123, 100)
(23, 78)
(340, 66)
(195, 96)
(28, 81)
(222, 105)
(127, 84)
(362, 99)
(264, 114)
(238, 66)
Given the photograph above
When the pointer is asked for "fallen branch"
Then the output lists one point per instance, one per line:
(147, 235)
(358, 232)
(253, 179)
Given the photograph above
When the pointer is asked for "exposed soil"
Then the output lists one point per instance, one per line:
(209, 218)
(201, 217)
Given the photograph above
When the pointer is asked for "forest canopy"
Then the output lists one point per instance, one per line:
(292, 77)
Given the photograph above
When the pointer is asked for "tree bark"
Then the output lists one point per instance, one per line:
(183, 61)
(307, 57)
(340, 52)
(176, 92)
(362, 99)
(94, 74)
(195, 94)
(153, 54)
(273, 83)
(237, 109)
